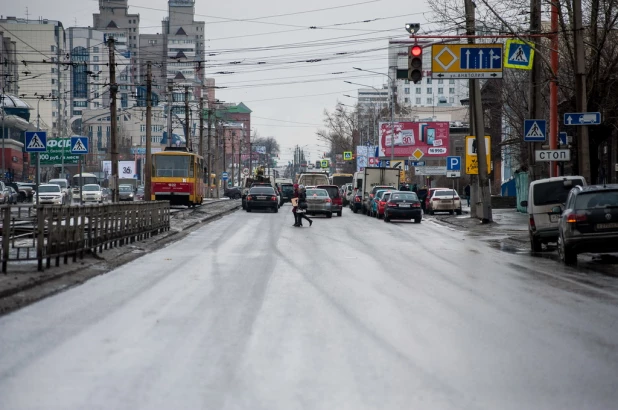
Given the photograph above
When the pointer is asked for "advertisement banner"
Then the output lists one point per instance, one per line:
(431, 138)
(126, 169)
(363, 155)
(55, 148)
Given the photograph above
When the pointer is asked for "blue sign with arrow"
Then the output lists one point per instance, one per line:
(475, 58)
(563, 138)
(582, 118)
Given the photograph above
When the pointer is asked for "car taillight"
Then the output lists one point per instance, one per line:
(273, 198)
(574, 218)
(532, 224)
(417, 205)
(435, 199)
(456, 198)
(392, 204)
(249, 197)
(328, 200)
(357, 199)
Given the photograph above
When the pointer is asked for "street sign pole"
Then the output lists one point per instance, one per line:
(37, 177)
(81, 181)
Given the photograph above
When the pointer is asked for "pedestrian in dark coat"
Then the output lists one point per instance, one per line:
(302, 205)
(295, 195)
(467, 192)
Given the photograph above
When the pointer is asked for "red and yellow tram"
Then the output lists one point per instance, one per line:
(178, 177)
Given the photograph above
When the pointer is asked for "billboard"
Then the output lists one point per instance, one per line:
(126, 169)
(363, 153)
(55, 148)
(431, 138)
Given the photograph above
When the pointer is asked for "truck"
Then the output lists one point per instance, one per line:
(371, 177)
(313, 179)
(258, 178)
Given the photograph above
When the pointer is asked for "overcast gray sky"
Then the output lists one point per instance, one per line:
(287, 99)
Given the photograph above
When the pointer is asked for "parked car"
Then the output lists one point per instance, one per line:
(24, 192)
(234, 192)
(319, 202)
(444, 200)
(403, 205)
(356, 201)
(50, 194)
(429, 192)
(381, 203)
(92, 193)
(335, 196)
(372, 193)
(12, 194)
(543, 196)
(263, 197)
(589, 223)
(4, 194)
(374, 202)
(126, 193)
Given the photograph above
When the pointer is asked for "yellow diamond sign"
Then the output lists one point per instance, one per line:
(418, 154)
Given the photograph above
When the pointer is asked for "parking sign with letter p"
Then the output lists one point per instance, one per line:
(453, 163)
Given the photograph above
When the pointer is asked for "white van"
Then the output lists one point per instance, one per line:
(543, 195)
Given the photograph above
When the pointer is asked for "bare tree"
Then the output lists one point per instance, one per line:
(341, 128)
(270, 144)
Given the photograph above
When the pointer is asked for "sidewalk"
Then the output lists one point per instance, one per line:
(506, 222)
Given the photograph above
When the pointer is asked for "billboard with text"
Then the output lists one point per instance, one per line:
(431, 138)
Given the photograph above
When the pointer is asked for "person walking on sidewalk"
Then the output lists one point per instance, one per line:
(302, 206)
(467, 192)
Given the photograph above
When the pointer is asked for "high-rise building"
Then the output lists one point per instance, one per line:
(115, 20)
(41, 45)
(9, 74)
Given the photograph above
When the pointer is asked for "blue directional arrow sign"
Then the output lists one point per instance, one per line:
(36, 141)
(535, 130)
(582, 118)
(453, 163)
(79, 145)
(563, 138)
(475, 58)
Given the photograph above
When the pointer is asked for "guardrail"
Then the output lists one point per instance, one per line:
(47, 232)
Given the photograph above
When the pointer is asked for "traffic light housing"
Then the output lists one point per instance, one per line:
(415, 64)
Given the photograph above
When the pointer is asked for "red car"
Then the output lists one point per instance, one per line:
(335, 195)
(382, 204)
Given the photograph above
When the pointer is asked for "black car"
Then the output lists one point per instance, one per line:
(287, 192)
(403, 205)
(357, 201)
(262, 197)
(589, 223)
(233, 192)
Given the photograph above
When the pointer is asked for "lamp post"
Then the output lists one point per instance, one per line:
(392, 85)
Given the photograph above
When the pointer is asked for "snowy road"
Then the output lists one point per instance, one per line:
(352, 313)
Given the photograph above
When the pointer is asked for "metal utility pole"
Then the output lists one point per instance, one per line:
(470, 30)
(170, 90)
(210, 166)
(148, 166)
(201, 144)
(535, 109)
(583, 154)
(393, 87)
(187, 127)
(3, 148)
(231, 176)
(484, 213)
(113, 89)
(553, 85)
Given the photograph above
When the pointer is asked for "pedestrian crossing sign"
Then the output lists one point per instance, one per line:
(535, 130)
(79, 145)
(36, 141)
(347, 155)
(519, 54)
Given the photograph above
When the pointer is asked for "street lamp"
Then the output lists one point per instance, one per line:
(392, 107)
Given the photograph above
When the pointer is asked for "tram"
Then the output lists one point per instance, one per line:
(178, 177)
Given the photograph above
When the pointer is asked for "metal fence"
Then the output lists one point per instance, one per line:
(50, 232)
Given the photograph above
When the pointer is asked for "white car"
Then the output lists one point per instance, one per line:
(64, 186)
(50, 194)
(92, 193)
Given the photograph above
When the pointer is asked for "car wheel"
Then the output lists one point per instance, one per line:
(451, 212)
(432, 213)
(417, 220)
(339, 213)
(237, 196)
(386, 218)
(276, 209)
(567, 255)
(458, 212)
(354, 210)
(329, 215)
(248, 209)
(535, 244)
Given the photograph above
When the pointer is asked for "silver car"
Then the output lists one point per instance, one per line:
(126, 193)
(319, 202)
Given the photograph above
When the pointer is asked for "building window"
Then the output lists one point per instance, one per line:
(440, 81)
(459, 151)
(96, 68)
(407, 81)
(53, 70)
(407, 99)
(77, 112)
(451, 90)
(440, 90)
(80, 103)
(418, 90)
(406, 90)
(80, 77)
(53, 48)
(451, 100)
(53, 81)
(95, 58)
(451, 81)
(418, 100)
(95, 49)
(428, 80)
(429, 90)
(96, 94)
(142, 128)
(124, 100)
(430, 101)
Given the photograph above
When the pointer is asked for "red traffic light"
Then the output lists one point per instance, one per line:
(416, 51)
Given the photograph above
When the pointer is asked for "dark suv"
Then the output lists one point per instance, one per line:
(589, 223)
